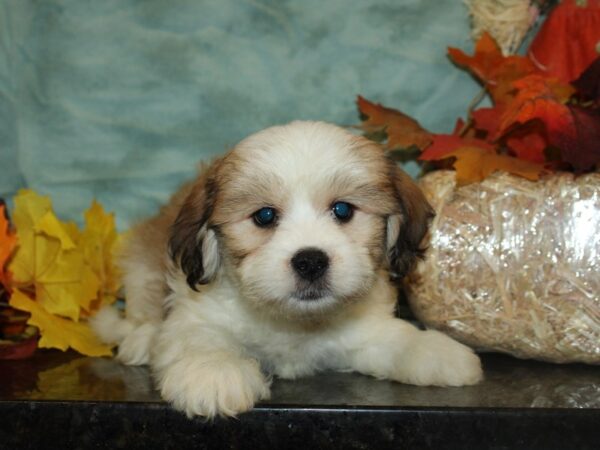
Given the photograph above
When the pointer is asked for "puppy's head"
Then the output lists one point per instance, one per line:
(301, 217)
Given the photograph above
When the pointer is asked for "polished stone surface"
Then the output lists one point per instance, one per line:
(77, 402)
(509, 383)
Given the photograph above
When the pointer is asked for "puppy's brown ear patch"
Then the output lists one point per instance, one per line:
(192, 243)
(407, 230)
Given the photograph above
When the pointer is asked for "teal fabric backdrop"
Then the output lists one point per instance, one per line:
(118, 99)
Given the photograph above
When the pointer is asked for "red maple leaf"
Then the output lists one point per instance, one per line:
(588, 84)
(576, 132)
(488, 120)
(567, 41)
(572, 129)
(528, 142)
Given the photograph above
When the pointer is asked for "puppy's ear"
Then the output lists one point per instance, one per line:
(406, 230)
(193, 244)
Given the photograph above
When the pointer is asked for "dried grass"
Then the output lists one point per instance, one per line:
(508, 21)
(513, 265)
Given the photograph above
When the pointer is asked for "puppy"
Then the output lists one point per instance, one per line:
(279, 260)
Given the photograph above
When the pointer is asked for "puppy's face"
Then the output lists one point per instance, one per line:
(302, 217)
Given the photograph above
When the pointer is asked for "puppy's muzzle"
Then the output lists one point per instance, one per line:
(310, 263)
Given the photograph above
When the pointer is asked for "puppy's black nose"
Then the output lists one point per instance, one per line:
(310, 263)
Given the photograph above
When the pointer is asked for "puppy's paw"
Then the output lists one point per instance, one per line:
(217, 385)
(435, 359)
(135, 348)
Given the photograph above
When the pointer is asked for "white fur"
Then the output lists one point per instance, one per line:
(110, 327)
(216, 349)
(211, 258)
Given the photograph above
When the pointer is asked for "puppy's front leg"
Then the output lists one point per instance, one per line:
(394, 349)
(202, 372)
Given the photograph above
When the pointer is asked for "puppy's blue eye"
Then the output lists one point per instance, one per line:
(264, 216)
(342, 211)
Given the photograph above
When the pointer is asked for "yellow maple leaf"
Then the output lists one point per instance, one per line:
(62, 273)
(99, 243)
(57, 332)
(49, 260)
(29, 209)
(51, 226)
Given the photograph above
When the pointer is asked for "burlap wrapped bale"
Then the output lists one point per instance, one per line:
(514, 265)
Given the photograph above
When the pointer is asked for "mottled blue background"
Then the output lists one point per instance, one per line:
(118, 99)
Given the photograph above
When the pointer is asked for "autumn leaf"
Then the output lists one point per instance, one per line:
(29, 209)
(402, 131)
(496, 71)
(99, 243)
(475, 164)
(62, 282)
(444, 144)
(475, 159)
(57, 332)
(572, 129)
(588, 84)
(535, 93)
(484, 62)
(488, 120)
(48, 261)
(576, 132)
(533, 117)
(528, 142)
(8, 242)
(52, 227)
(61, 273)
(566, 44)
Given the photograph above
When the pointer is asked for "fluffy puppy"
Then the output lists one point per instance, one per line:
(278, 260)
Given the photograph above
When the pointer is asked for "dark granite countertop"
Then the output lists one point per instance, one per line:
(62, 400)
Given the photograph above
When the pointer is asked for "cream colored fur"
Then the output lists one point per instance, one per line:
(213, 349)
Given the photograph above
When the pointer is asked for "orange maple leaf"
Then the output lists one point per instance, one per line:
(8, 242)
(496, 71)
(537, 97)
(402, 131)
(475, 159)
(474, 164)
(444, 144)
(507, 122)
